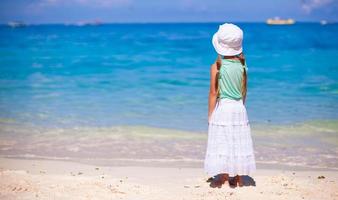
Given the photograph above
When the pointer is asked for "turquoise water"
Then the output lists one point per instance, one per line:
(158, 74)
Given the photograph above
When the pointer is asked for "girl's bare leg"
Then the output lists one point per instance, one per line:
(219, 180)
(239, 180)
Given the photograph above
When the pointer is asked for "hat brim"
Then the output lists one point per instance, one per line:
(225, 51)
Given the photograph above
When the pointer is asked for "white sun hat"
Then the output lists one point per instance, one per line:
(228, 39)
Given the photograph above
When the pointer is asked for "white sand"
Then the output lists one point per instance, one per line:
(44, 179)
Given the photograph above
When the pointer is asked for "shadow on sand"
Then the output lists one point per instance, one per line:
(217, 181)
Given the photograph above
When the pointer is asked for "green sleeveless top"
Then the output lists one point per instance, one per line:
(230, 79)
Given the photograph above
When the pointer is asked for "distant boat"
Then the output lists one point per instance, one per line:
(323, 22)
(16, 24)
(87, 23)
(278, 21)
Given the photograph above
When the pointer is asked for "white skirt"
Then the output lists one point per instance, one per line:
(230, 148)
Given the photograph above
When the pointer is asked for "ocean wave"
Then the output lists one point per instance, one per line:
(291, 145)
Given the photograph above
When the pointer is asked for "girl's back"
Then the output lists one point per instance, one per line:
(230, 79)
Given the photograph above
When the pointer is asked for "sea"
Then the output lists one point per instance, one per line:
(113, 77)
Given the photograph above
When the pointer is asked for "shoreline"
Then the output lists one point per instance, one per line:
(196, 164)
(43, 179)
(147, 163)
(311, 145)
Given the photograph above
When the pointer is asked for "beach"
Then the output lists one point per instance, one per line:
(45, 179)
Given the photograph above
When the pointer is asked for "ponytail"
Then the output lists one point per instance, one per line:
(244, 80)
(218, 64)
(219, 61)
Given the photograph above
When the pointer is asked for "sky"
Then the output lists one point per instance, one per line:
(73, 11)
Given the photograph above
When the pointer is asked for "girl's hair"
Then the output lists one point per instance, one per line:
(244, 79)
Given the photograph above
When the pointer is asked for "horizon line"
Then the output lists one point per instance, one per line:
(98, 22)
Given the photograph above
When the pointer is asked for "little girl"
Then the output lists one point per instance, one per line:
(230, 149)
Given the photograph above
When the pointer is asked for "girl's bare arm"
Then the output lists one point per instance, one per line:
(213, 89)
